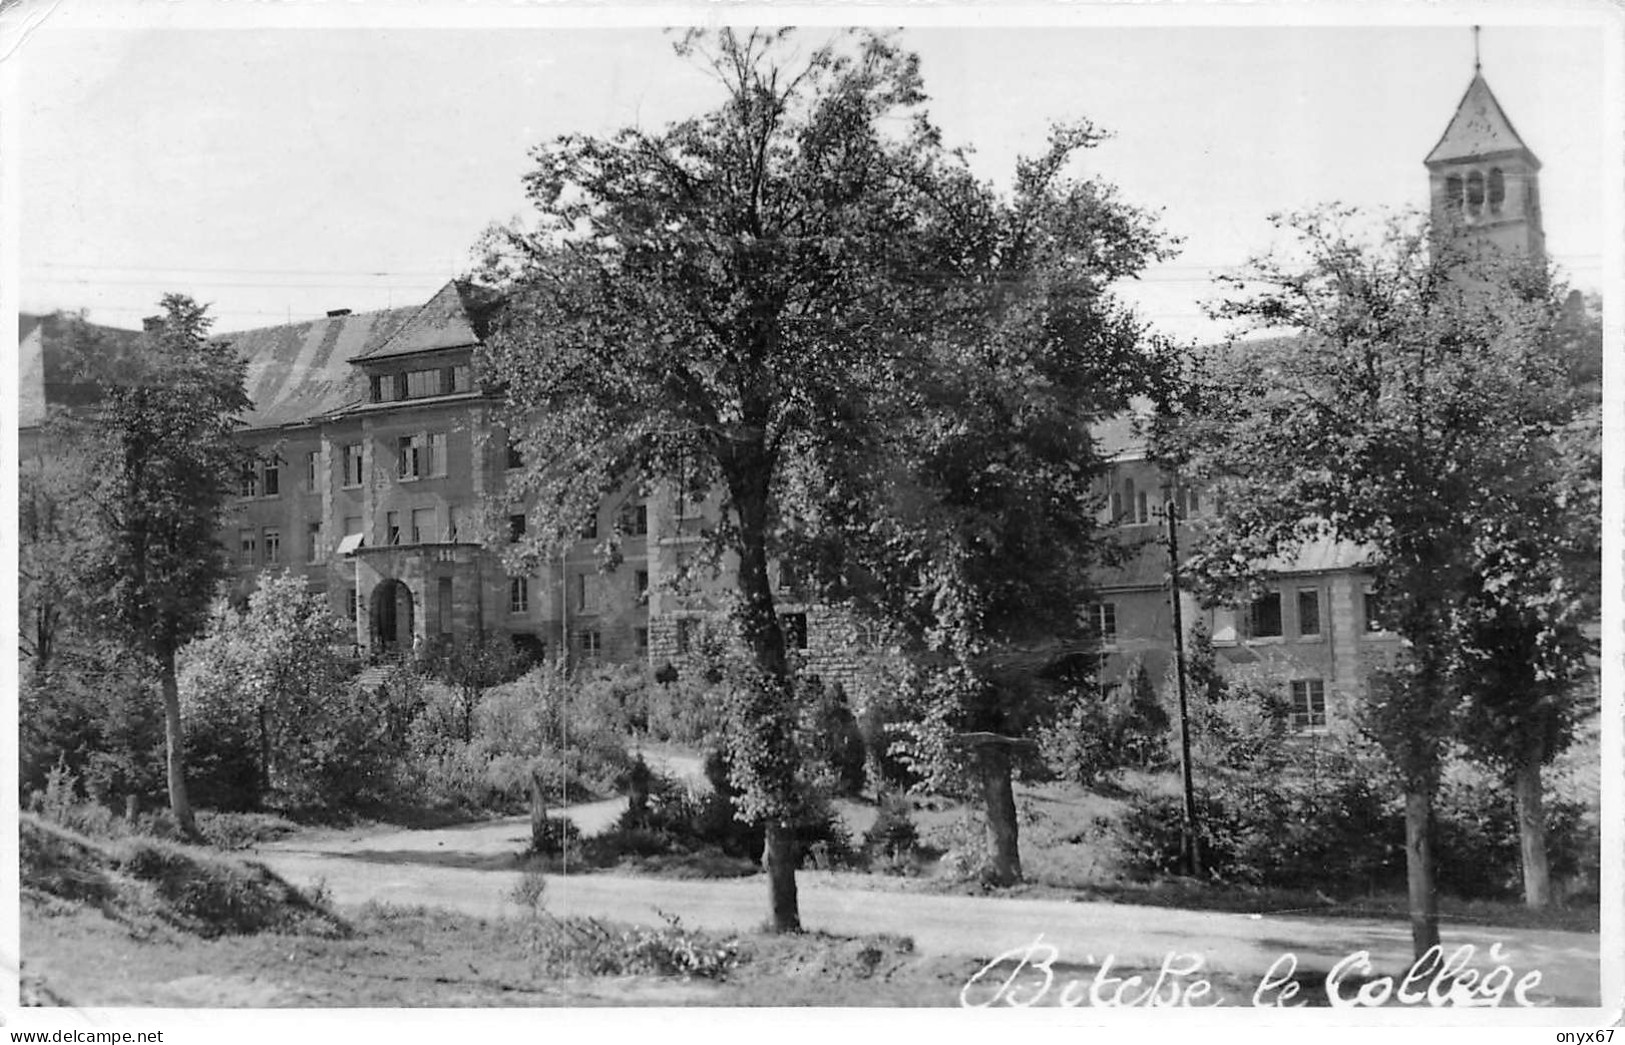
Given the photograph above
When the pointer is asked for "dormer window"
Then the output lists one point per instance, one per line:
(388, 388)
(420, 383)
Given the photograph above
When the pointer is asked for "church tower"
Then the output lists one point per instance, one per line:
(1483, 177)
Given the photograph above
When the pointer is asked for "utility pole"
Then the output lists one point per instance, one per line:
(1188, 825)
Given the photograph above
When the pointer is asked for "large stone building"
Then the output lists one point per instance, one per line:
(383, 471)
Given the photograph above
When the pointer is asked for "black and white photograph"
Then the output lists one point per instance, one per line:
(821, 508)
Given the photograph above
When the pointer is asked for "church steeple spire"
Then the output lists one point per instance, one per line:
(1484, 178)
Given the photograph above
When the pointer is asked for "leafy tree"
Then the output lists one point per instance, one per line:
(983, 541)
(1538, 583)
(51, 538)
(1412, 405)
(713, 306)
(157, 458)
(274, 675)
(470, 665)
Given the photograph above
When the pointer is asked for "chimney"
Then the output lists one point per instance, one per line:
(334, 313)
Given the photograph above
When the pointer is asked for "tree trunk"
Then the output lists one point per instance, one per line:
(175, 742)
(1537, 872)
(769, 758)
(1004, 856)
(779, 859)
(265, 755)
(538, 813)
(1424, 901)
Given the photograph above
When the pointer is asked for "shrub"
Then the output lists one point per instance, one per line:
(530, 892)
(555, 835)
(1246, 729)
(587, 946)
(540, 725)
(62, 803)
(893, 833)
(833, 742)
(1477, 847)
(683, 708)
(96, 714)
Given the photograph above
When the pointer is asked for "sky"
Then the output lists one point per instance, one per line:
(277, 171)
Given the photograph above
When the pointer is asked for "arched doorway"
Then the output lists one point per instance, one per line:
(391, 616)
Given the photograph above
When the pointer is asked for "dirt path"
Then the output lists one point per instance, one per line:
(472, 869)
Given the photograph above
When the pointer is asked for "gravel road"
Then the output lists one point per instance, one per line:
(471, 868)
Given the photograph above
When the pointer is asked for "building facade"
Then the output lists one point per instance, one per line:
(1316, 627)
(383, 469)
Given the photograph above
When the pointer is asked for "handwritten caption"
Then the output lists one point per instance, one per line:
(1027, 976)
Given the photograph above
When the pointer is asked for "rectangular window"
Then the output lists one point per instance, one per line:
(635, 520)
(587, 593)
(589, 529)
(1264, 617)
(420, 383)
(515, 458)
(795, 629)
(1308, 703)
(388, 388)
(592, 644)
(422, 455)
(352, 464)
(443, 593)
(313, 542)
(392, 528)
(460, 381)
(271, 480)
(412, 456)
(273, 545)
(640, 583)
(437, 453)
(349, 604)
(1308, 611)
(313, 470)
(454, 521)
(1373, 612)
(423, 528)
(519, 595)
(247, 547)
(1103, 619)
(248, 484)
(640, 637)
(516, 526)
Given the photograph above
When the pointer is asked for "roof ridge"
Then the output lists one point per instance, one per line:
(1459, 118)
(313, 319)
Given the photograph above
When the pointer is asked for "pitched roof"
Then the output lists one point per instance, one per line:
(46, 366)
(30, 371)
(1479, 128)
(458, 315)
(302, 370)
(1146, 565)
